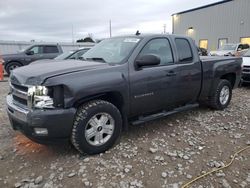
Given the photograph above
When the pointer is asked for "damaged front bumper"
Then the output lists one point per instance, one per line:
(41, 124)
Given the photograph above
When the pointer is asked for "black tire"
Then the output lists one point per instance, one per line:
(214, 101)
(83, 116)
(10, 66)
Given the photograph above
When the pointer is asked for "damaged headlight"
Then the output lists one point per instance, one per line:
(38, 97)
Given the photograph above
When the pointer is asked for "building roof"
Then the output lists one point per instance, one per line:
(202, 7)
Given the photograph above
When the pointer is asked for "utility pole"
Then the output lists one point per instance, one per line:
(110, 29)
(164, 28)
(72, 30)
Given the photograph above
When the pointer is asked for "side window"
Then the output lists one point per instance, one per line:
(50, 49)
(159, 47)
(35, 49)
(245, 46)
(184, 50)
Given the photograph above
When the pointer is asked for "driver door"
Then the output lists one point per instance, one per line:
(33, 54)
(151, 87)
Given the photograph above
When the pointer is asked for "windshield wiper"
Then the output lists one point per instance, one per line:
(100, 59)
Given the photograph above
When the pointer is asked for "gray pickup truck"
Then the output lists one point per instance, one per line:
(122, 80)
(32, 53)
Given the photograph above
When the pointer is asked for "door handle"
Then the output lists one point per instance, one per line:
(171, 73)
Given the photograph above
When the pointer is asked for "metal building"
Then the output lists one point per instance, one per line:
(215, 24)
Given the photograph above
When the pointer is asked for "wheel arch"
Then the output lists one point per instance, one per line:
(231, 77)
(12, 61)
(114, 98)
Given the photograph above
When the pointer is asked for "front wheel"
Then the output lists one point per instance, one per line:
(222, 95)
(96, 128)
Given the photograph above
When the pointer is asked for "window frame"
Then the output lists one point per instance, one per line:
(200, 42)
(187, 61)
(155, 66)
(219, 41)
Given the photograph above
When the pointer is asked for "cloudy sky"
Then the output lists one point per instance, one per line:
(53, 20)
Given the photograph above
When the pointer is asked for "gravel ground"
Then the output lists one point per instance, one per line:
(164, 153)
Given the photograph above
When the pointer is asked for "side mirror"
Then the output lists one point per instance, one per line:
(239, 49)
(148, 60)
(30, 53)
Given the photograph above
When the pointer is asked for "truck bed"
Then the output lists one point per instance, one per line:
(213, 66)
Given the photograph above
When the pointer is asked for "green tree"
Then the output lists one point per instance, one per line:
(86, 39)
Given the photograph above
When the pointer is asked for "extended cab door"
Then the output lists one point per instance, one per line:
(188, 72)
(152, 87)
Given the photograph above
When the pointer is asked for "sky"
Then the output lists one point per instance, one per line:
(54, 20)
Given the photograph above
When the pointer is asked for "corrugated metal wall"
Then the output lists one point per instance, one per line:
(7, 47)
(228, 20)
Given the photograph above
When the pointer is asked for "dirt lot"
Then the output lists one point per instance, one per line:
(163, 153)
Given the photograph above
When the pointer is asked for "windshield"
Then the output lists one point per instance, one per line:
(63, 55)
(113, 50)
(228, 47)
(77, 54)
(247, 54)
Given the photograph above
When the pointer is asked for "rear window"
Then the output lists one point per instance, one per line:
(50, 49)
(184, 50)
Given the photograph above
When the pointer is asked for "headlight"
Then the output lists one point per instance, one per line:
(38, 97)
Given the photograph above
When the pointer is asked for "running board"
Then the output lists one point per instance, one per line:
(143, 119)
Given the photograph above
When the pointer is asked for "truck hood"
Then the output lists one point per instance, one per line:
(246, 61)
(35, 74)
(221, 52)
(9, 56)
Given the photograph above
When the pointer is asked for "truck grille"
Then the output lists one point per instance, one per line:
(19, 94)
(246, 69)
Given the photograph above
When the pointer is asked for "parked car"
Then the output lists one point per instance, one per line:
(202, 51)
(231, 50)
(76, 54)
(130, 79)
(246, 67)
(32, 53)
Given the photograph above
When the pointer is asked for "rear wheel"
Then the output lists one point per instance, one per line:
(11, 66)
(96, 127)
(222, 96)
